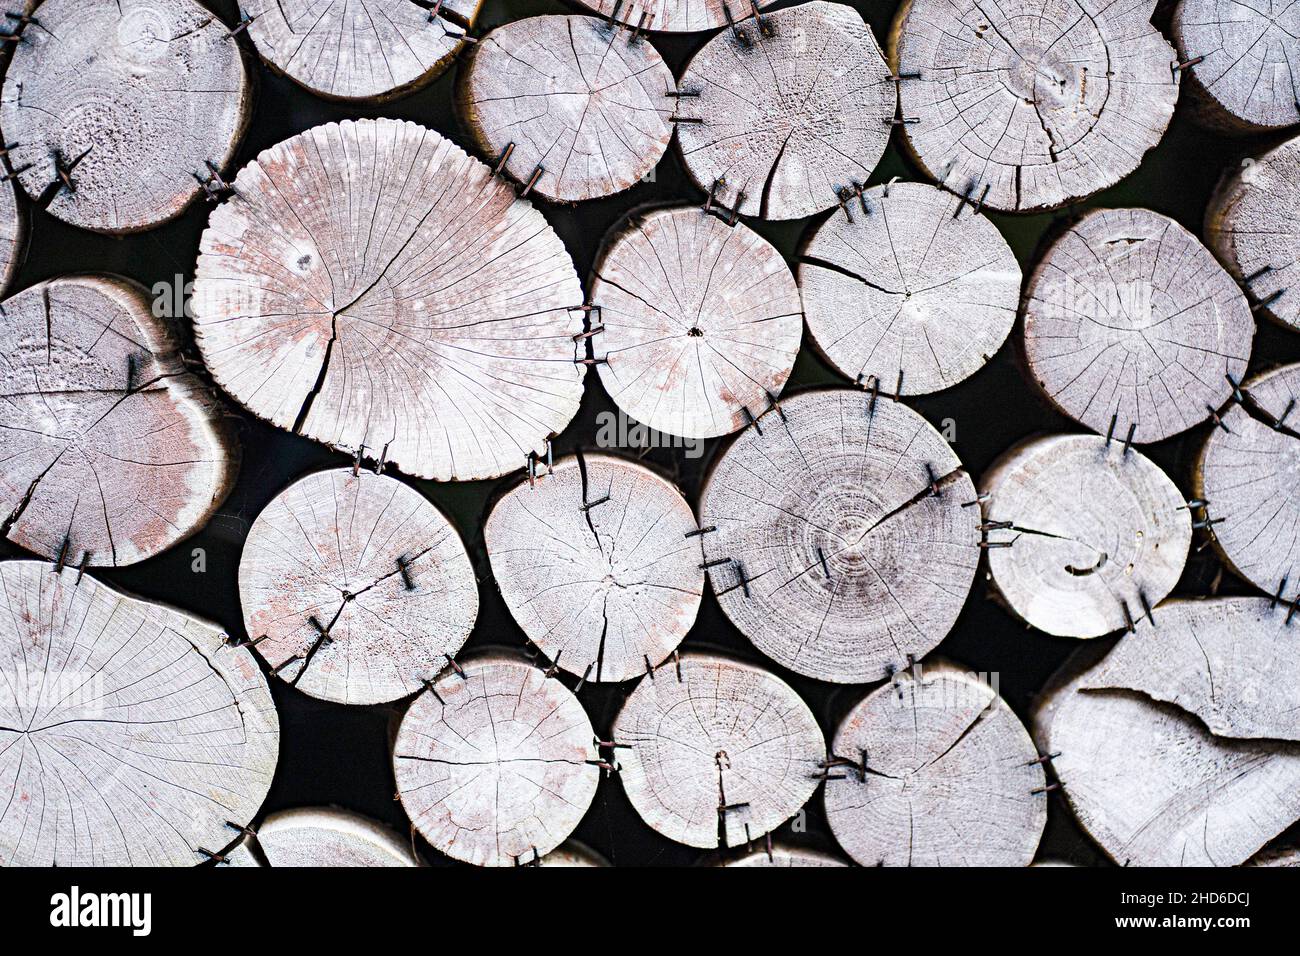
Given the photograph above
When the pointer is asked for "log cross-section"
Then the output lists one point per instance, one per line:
(679, 16)
(13, 233)
(321, 837)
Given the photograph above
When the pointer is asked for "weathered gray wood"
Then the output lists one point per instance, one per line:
(1130, 323)
(359, 585)
(1247, 471)
(909, 289)
(131, 734)
(594, 562)
(112, 451)
(374, 288)
(359, 49)
(13, 234)
(842, 549)
(576, 110)
(718, 752)
(934, 769)
(114, 110)
(702, 321)
(571, 853)
(321, 837)
(1253, 226)
(783, 122)
(1084, 536)
(496, 765)
(677, 16)
(781, 855)
(1031, 104)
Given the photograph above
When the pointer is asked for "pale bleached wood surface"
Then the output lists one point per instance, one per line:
(782, 855)
(321, 837)
(675, 16)
(13, 234)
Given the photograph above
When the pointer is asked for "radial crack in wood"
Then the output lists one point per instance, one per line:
(112, 451)
(356, 587)
(778, 125)
(374, 288)
(571, 108)
(321, 837)
(679, 16)
(1033, 104)
(117, 113)
(842, 548)
(13, 234)
(1132, 328)
(131, 734)
(908, 289)
(496, 765)
(718, 752)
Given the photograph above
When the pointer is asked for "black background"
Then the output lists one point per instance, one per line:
(331, 754)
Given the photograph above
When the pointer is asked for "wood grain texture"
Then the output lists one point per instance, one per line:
(573, 97)
(786, 856)
(13, 234)
(359, 49)
(676, 16)
(496, 767)
(718, 753)
(912, 290)
(1129, 322)
(321, 837)
(595, 565)
(951, 776)
(1083, 535)
(702, 321)
(131, 734)
(115, 108)
(112, 451)
(1240, 57)
(1248, 473)
(788, 119)
(374, 288)
(360, 586)
(842, 548)
(1026, 106)
(1253, 225)
(571, 853)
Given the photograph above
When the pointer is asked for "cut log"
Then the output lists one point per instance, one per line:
(1132, 328)
(112, 451)
(1031, 104)
(496, 764)
(1148, 780)
(677, 16)
(1276, 856)
(374, 288)
(596, 563)
(934, 769)
(371, 50)
(117, 114)
(908, 289)
(1239, 59)
(842, 548)
(781, 855)
(131, 734)
(13, 234)
(321, 836)
(1248, 472)
(1251, 224)
(355, 587)
(701, 322)
(779, 123)
(575, 109)
(573, 854)
(718, 752)
(1084, 536)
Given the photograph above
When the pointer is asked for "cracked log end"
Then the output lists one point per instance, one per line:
(944, 757)
(322, 837)
(719, 755)
(1129, 322)
(113, 452)
(1240, 58)
(13, 234)
(702, 322)
(116, 109)
(373, 287)
(496, 767)
(842, 548)
(910, 289)
(1031, 105)
(360, 586)
(789, 119)
(1148, 780)
(674, 16)
(372, 50)
(1250, 475)
(1251, 224)
(1081, 533)
(131, 734)
(572, 97)
(595, 564)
